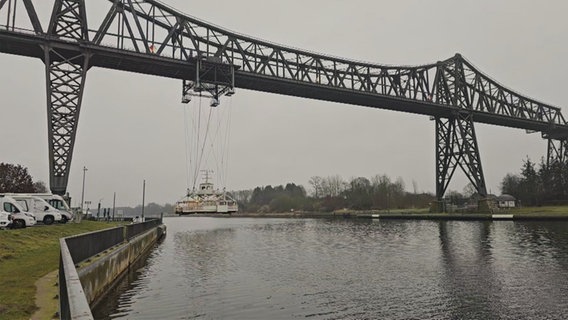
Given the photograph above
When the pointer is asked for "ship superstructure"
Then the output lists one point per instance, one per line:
(206, 199)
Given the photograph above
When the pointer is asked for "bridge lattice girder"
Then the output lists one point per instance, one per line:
(65, 77)
(149, 27)
(557, 152)
(149, 37)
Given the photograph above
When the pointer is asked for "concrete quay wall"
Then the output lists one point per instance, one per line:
(100, 275)
(83, 284)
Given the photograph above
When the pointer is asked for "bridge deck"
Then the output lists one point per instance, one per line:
(29, 44)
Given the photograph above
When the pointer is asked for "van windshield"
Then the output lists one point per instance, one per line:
(8, 207)
(57, 204)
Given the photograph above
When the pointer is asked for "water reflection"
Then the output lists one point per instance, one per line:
(469, 278)
(338, 269)
(119, 300)
(504, 270)
(213, 247)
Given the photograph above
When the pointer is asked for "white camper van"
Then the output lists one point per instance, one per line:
(20, 218)
(58, 203)
(38, 207)
(5, 220)
(54, 200)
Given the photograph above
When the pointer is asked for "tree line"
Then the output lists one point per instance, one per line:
(17, 179)
(333, 193)
(538, 185)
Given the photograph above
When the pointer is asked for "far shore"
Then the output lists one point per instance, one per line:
(532, 213)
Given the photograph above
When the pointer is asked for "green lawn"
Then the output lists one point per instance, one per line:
(531, 211)
(28, 254)
(549, 211)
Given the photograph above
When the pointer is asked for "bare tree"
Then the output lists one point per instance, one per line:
(316, 183)
(39, 187)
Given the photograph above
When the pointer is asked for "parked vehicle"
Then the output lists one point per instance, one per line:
(19, 217)
(39, 208)
(59, 203)
(5, 220)
(54, 200)
(22, 219)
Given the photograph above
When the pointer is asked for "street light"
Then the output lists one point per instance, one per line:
(83, 192)
(143, 196)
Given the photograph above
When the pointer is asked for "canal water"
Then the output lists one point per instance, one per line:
(239, 268)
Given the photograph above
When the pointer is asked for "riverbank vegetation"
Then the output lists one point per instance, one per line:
(549, 211)
(333, 193)
(27, 255)
(545, 185)
(15, 178)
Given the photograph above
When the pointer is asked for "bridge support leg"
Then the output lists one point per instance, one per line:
(557, 152)
(65, 79)
(65, 82)
(555, 177)
(456, 145)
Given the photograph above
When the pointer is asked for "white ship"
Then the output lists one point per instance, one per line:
(206, 200)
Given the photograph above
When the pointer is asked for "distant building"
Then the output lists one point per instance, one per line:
(506, 201)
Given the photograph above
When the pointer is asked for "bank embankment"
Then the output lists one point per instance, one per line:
(100, 274)
(91, 264)
(27, 255)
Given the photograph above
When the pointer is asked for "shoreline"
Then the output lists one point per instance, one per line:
(381, 215)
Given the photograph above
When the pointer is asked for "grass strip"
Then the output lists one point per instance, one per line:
(27, 255)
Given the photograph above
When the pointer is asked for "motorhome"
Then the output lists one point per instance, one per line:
(20, 218)
(42, 210)
(5, 220)
(58, 203)
(55, 201)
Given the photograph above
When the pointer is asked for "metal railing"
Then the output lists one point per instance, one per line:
(90, 244)
(72, 301)
(133, 230)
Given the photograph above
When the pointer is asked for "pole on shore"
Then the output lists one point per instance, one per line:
(113, 205)
(143, 195)
(83, 192)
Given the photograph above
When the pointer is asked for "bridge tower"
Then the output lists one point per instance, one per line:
(557, 152)
(456, 142)
(65, 71)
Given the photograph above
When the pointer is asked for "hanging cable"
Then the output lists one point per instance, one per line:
(187, 147)
(228, 143)
(204, 139)
(208, 145)
(196, 172)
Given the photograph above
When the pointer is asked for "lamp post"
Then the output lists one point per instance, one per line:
(113, 205)
(83, 192)
(143, 196)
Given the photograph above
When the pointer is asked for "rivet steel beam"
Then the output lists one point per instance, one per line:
(65, 78)
(456, 142)
(557, 152)
(149, 37)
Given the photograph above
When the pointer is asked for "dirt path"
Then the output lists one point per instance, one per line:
(46, 297)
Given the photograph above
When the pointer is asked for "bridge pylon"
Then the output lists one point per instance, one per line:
(456, 146)
(456, 141)
(557, 152)
(66, 71)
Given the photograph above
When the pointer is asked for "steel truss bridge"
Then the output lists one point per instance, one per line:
(149, 37)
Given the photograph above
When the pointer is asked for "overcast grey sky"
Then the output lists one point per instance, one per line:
(131, 126)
